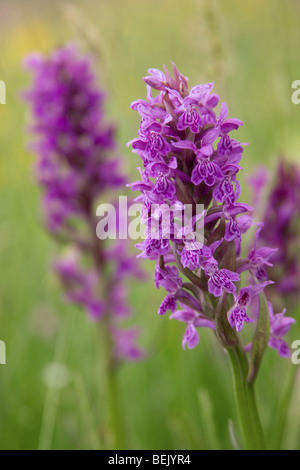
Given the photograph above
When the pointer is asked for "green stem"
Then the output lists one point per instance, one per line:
(282, 408)
(111, 393)
(245, 397)
(86, 412)
(114, 415)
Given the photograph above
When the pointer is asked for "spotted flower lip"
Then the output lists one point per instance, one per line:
(190, 118)
(152, 142)
(194, 255)
(169, 303)
(225, 192)
(152, 248)
(220, 279)
(77, 161)
(237, 316)
(206, 171)
(194, 160)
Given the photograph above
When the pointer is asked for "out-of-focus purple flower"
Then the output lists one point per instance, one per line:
(281, 231)
(79, 284)
(258, 259)
(77, 163)
(74, 143)
(189, 159)
(125, 345)
(258, 181)
(280, 326)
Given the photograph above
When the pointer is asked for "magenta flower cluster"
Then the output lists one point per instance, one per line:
(190, 157)
(281, 230)
(77, 164)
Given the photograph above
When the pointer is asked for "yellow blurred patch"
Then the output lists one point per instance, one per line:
(25, 38)
(18, 41)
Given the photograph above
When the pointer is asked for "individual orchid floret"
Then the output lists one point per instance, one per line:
(194, 255)
(237, 316)
(220, 279)
(193, 321)
(259, 259)
(168, 277)
(225, 192)
(169, 303)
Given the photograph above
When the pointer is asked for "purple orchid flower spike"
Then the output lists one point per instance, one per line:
(280, 230)
(190, 157)
(77, 162)
(191, 160)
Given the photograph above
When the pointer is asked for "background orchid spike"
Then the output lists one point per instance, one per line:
(190, 157)
(281, 231)
(77, 163)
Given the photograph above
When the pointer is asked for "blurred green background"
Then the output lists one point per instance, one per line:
(50, 389)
